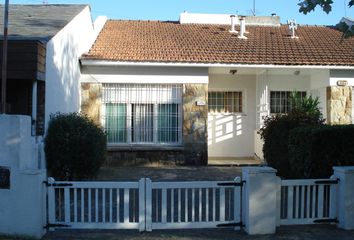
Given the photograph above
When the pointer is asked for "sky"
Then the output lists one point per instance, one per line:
(170, 9)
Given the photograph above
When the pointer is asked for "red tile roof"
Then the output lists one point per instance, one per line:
(154, 41)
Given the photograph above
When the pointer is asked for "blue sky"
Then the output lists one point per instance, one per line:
(170, 9)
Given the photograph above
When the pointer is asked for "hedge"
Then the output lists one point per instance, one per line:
(75, 147)
(313, 151)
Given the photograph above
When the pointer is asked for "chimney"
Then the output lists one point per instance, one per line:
(233, 23)
(292, 27)
(242, 27)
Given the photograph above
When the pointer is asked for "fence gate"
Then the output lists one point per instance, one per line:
(308, 201)
(144, 205)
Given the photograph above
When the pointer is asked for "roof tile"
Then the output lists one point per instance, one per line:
(154, 41)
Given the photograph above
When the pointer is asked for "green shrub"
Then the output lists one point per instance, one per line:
(275, 132)
(75, 147)
(315, 150)
(299, 148)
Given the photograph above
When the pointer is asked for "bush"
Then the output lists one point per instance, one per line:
(275, 132)
(75, 147)
(315, 150)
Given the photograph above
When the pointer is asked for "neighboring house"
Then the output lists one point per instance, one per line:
(191, 90)
(43, 71)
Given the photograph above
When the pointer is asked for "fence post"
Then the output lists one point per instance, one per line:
(142, 220)
(260, 208)
(51, 202)
(345, 196)
(148, 205)
(237, 202)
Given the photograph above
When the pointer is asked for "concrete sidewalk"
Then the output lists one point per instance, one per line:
(308, 232)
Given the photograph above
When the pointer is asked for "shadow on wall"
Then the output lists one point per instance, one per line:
(223, 128)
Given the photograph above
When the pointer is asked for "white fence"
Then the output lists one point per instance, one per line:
(308, 201)
(194, 204)
(99, 205)
(144, 205)
(267, 202)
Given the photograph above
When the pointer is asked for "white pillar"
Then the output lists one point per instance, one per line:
(260, 200)
(345, 196)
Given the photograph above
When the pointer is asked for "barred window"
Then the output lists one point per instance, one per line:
(225, 102)
(280, 101)
(143, 113)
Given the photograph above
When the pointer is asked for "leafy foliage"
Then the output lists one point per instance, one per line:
(275, 132)
(308, 6)
(313, 151)
(75, 147)
(305, 106)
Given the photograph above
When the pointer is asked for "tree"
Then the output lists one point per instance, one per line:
(307, 6)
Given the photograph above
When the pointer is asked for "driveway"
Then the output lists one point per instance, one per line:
(170, 173)
(309, 232)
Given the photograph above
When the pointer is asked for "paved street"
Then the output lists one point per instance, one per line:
(312, 232)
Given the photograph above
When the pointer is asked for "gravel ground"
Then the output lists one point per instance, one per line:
(308, 232)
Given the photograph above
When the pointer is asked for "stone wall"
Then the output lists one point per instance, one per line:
(195, 124)
(91, 94)
(138, 157)
(339, 105)
(194, 150)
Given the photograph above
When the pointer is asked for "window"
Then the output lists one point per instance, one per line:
(280, 101)
(142, 113)
(225, 102)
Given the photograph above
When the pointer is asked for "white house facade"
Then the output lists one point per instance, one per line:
(193, 90)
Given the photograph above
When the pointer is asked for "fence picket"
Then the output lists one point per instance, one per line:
(67, 205)
(110, 206)
(186, 204)
(103, 205)
(207, 204)
(200, 204)
(126, 205)
(193, 205)
(179, 205)
(172, 198)
(308, 202)
(302, 202)
(214, 205)
(82, 206)
(118, 205)
(320, 200)
(314, 202)
(89, 205)
(164, 205)
(96, 204)
(290, 210)
(222, 204)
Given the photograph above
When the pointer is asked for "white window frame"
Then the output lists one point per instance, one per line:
(281, 90)
(129, 129)
(244, 102)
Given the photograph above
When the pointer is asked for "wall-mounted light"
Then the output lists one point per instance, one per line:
(233, 71)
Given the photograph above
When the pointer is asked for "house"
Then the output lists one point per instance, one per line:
(44, 44)
(198, 89)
